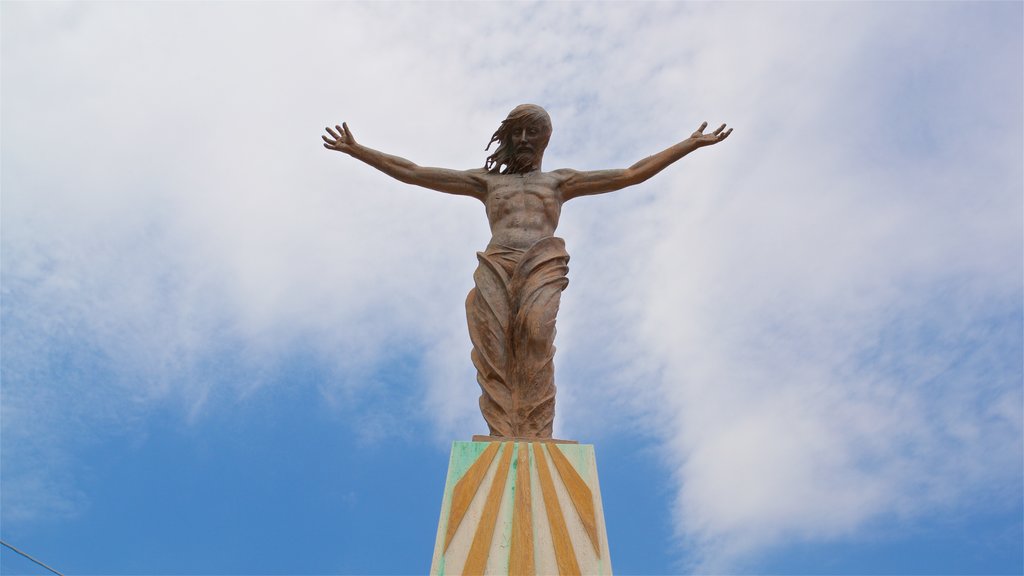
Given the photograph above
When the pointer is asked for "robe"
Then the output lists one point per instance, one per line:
(511, 314)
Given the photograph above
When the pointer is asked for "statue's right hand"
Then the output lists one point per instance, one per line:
(340, 139)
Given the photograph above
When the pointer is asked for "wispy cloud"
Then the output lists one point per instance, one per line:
(828, 322)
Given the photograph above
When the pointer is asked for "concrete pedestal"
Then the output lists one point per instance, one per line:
(521, 508)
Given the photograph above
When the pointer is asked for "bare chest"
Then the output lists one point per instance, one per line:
(509, 194)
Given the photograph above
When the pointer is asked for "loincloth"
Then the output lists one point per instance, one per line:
(511, 314)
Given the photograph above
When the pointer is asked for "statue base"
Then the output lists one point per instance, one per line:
(522, 507)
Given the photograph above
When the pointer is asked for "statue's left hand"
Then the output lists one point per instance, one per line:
(340, 139)
(715, 137)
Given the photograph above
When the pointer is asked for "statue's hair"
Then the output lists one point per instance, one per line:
(499, 162)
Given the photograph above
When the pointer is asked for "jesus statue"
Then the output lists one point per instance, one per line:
(522, 272)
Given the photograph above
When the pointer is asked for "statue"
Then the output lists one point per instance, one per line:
(522, 272)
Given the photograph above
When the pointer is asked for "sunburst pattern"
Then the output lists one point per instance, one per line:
(542, 536)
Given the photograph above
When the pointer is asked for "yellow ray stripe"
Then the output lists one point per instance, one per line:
(466, 488)
(476, 563)
(565, 557)
(580, 494)
(521, 562)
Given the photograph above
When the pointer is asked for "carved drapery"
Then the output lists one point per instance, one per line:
(511, 315)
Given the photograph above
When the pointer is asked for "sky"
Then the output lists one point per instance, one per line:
(227, 350)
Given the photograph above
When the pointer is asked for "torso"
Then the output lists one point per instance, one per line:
(523, 208)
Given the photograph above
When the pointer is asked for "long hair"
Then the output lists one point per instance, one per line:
(501, 161)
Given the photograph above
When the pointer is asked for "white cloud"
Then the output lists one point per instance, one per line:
(815, 319)
(829, 314)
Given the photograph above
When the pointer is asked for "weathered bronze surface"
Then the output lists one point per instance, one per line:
(522, 272)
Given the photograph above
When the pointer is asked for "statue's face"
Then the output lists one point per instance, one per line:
(529, 140)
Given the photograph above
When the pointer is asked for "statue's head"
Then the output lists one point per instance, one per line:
(522, 138)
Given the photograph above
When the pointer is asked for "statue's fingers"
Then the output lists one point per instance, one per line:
(725, 134)
(328, 140)
(703, 125)
(348, 132)
(719, 130)
(333, 133)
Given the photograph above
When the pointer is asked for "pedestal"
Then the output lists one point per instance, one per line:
(521, 508)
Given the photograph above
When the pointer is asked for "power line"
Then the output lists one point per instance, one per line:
(30, 558)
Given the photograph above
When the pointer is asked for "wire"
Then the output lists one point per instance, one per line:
(31, 558)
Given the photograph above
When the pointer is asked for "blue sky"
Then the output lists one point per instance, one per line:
(226, 350)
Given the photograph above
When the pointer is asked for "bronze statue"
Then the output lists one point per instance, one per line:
(522, 272)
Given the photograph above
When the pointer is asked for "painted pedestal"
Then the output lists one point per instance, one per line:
(521, 508)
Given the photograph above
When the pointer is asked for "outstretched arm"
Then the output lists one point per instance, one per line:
(463, 182)
(601, 181)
